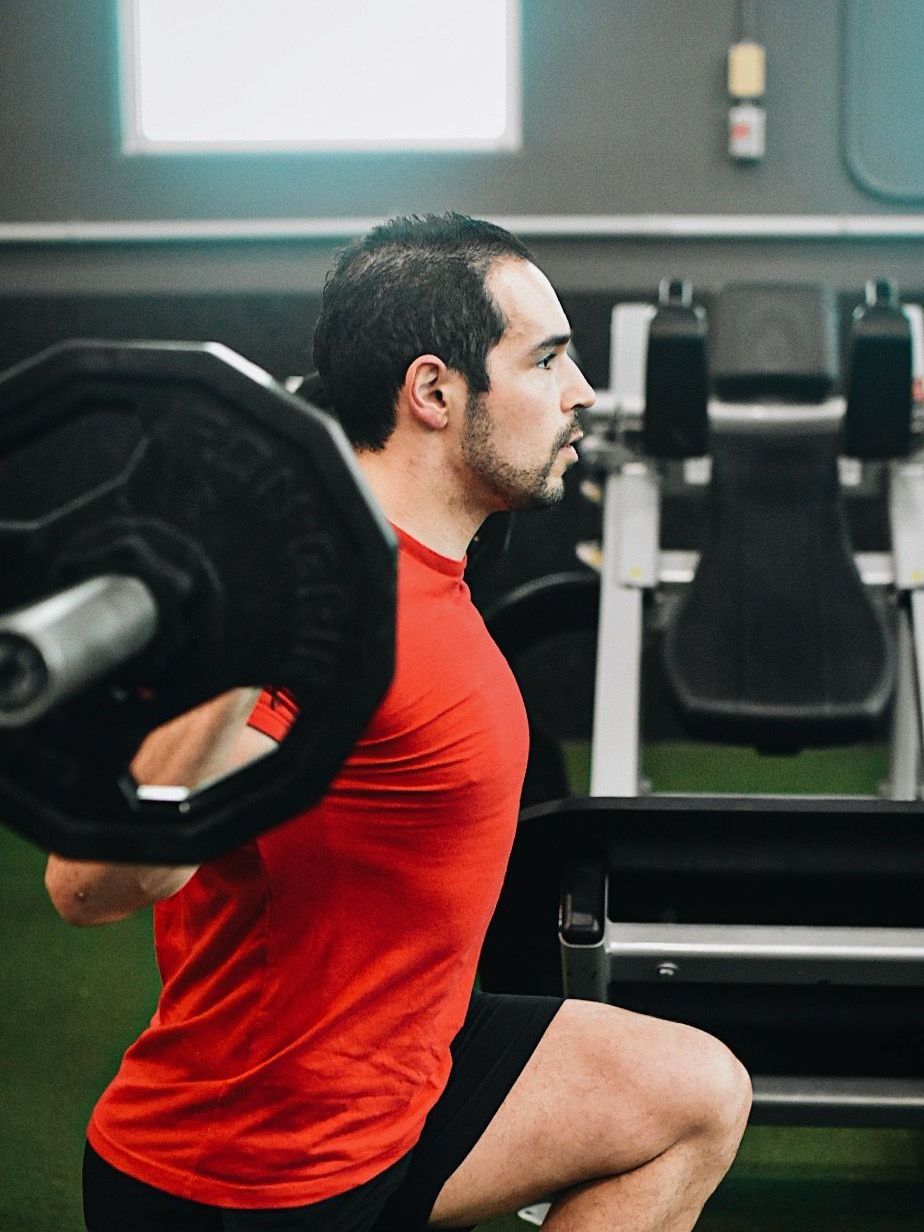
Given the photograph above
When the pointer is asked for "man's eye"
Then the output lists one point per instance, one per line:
(546, 361)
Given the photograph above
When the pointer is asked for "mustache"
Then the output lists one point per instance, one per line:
(566, 433)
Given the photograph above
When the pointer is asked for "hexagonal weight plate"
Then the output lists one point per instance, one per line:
(242, 509)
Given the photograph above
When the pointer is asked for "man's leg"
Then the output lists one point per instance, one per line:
(630, 1121)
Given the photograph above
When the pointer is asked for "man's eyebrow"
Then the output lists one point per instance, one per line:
(553, 341)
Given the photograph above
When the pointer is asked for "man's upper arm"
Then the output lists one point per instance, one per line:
(250, 745)
(198, 746)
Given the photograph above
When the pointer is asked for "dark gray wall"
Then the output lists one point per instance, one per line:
(624, 110)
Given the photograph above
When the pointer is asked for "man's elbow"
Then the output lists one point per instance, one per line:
(74, 910)
(72, 897)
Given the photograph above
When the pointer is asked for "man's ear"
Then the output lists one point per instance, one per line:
(429, 390)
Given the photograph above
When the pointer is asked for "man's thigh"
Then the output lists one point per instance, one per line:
(604, 1092)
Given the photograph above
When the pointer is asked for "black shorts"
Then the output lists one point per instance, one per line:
(498, 1037)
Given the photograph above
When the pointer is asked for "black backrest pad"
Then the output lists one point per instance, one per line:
(777, 642)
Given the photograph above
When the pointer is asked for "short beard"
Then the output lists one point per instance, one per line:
(516, 487)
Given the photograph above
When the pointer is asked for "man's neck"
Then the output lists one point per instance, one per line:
(420, 501)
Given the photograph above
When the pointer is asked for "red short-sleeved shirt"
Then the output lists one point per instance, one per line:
(314, 978)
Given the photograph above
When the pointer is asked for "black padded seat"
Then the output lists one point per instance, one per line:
(776, 642)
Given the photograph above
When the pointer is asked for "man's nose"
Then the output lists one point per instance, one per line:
(578, 393)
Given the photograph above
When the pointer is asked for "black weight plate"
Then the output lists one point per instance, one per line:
(241, 507)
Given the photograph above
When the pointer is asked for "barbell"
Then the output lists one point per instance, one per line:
(173, 524)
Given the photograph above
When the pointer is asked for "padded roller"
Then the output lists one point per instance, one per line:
(676, 378)
(877, 422)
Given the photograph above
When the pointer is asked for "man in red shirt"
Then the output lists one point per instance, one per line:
(317, 1059)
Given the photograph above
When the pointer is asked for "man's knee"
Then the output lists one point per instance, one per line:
(720, 1093)
(681, 1077)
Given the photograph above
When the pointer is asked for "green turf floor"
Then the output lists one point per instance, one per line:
(680, 767)
(73, 999)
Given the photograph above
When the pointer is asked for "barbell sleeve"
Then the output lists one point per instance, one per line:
(60, 645)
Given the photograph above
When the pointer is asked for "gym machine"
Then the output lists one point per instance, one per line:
(778, 637)
(792, 927)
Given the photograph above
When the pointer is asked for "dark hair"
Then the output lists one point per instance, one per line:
(412, 286)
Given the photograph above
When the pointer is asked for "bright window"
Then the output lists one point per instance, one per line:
(319, 74)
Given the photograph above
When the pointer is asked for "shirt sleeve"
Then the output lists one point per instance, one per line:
(274, 713)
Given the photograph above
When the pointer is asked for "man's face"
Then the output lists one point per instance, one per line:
(517, 438)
